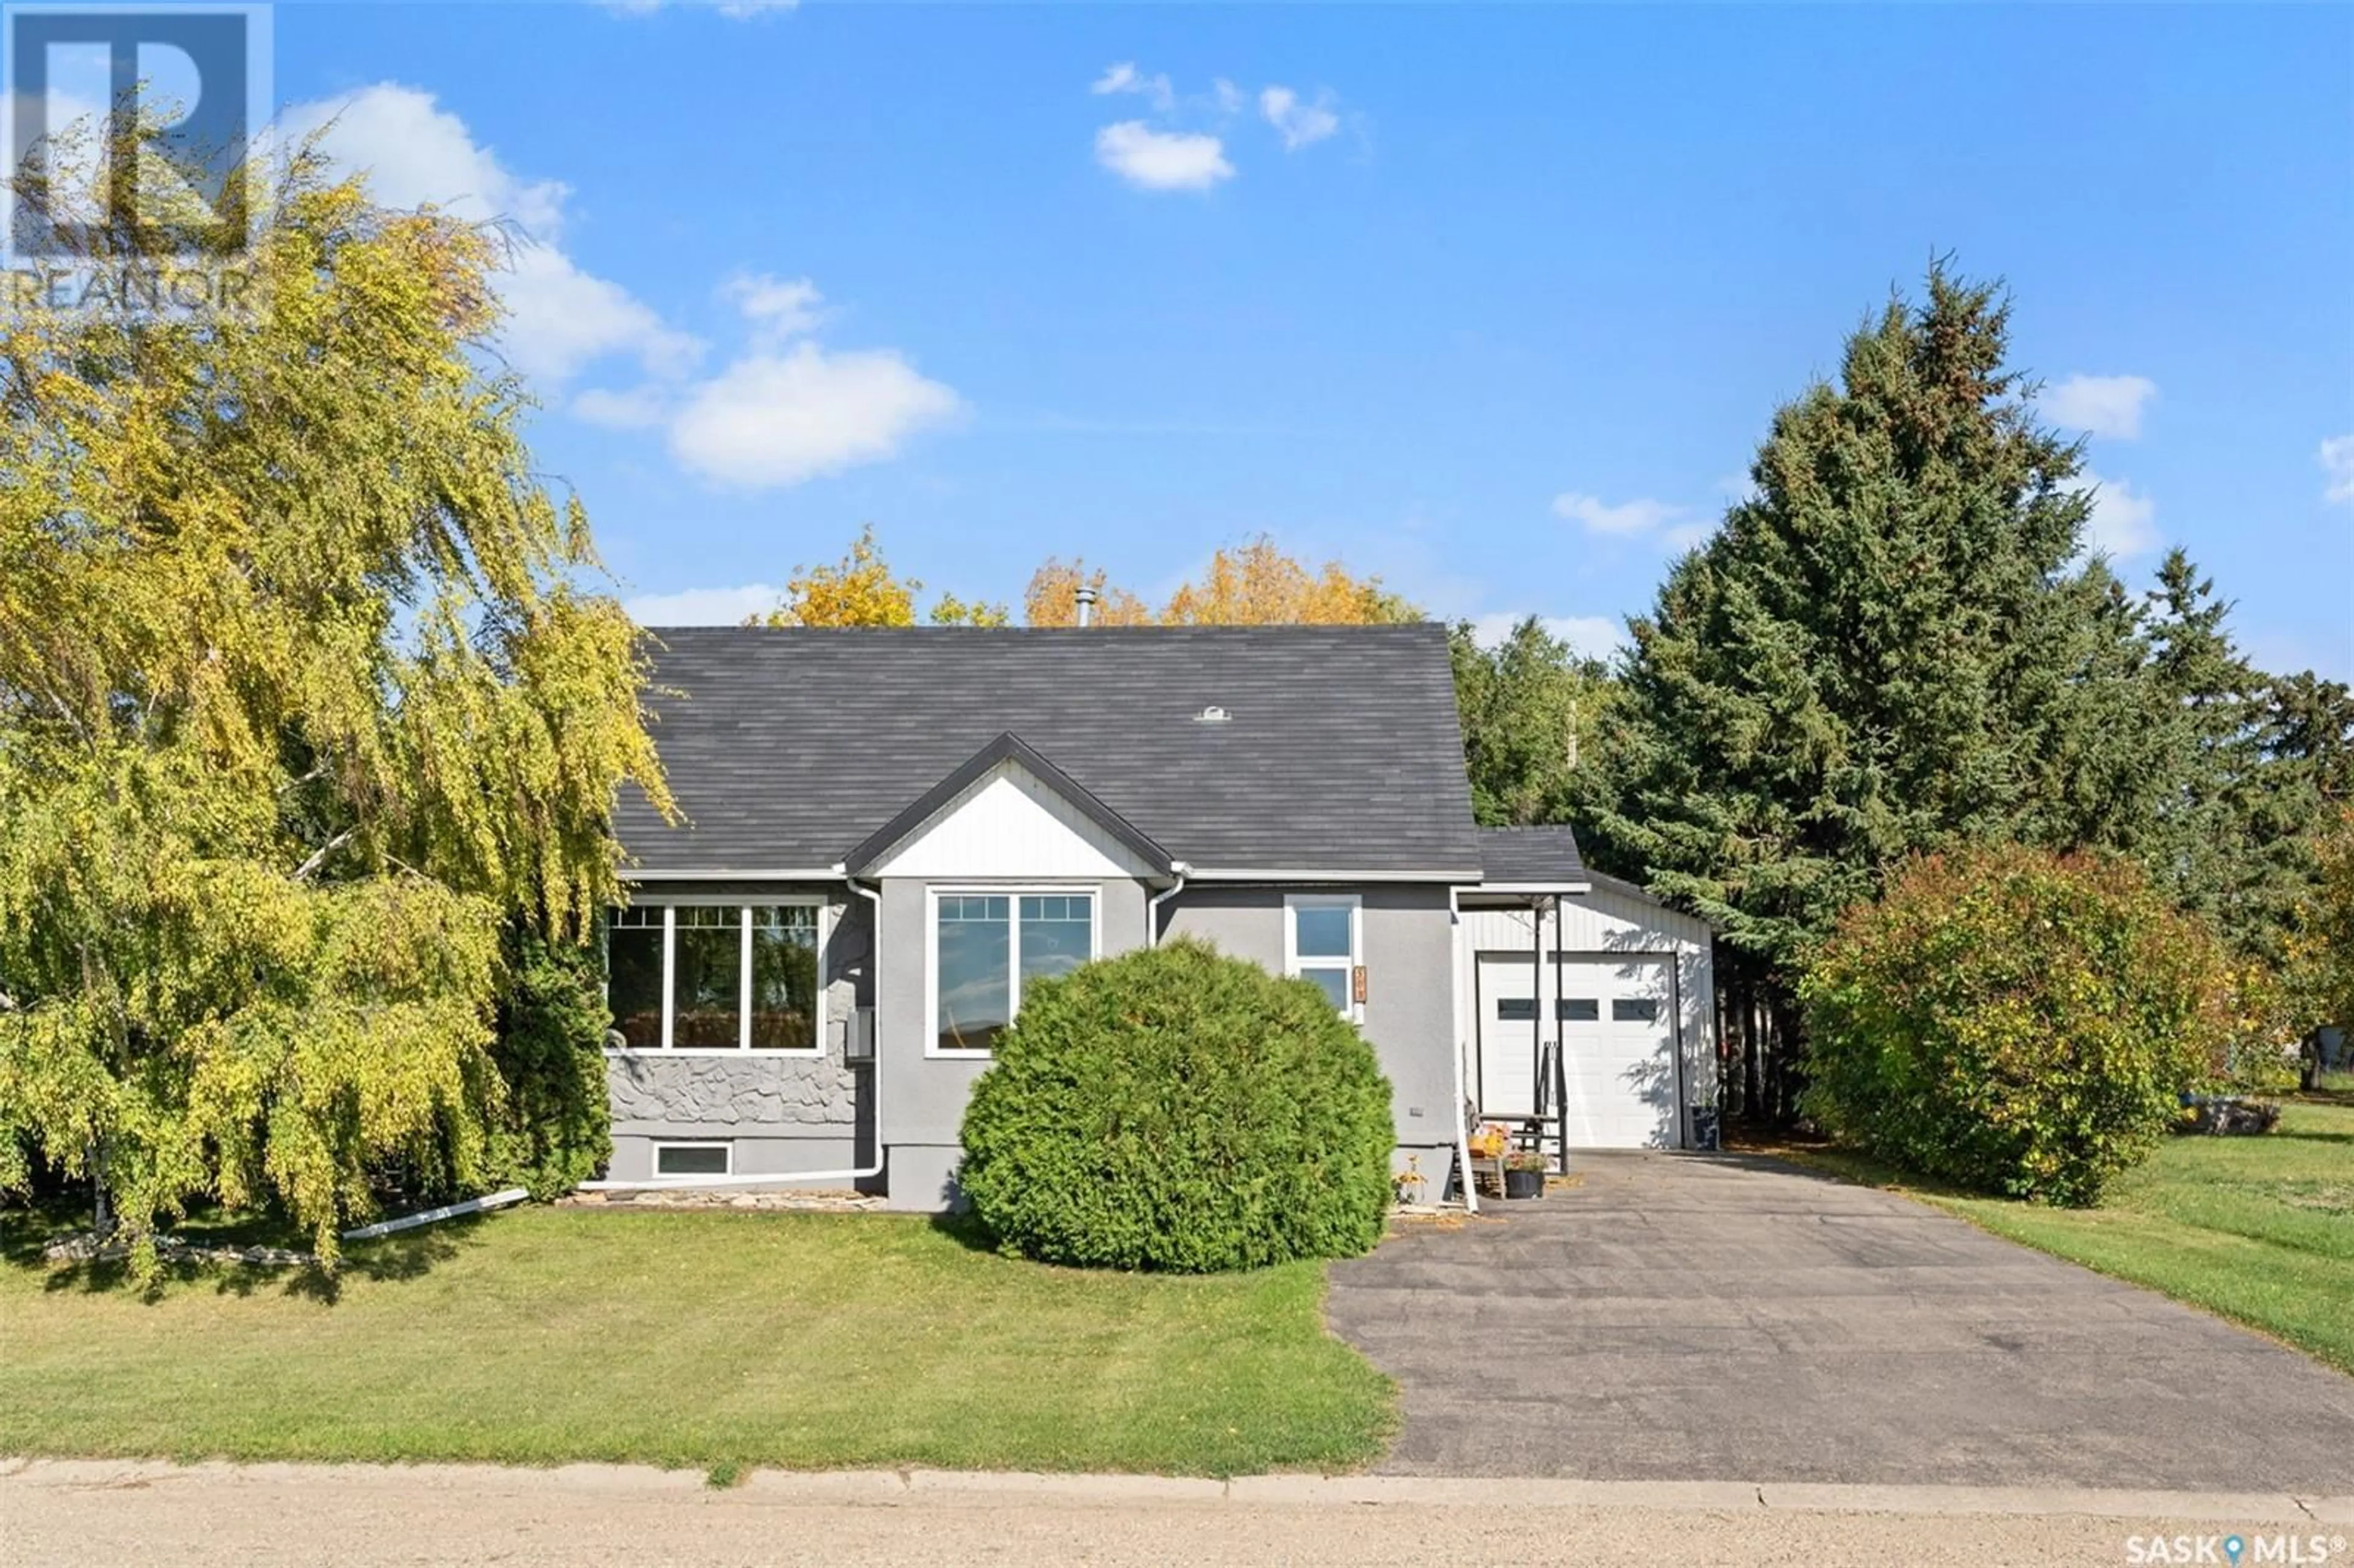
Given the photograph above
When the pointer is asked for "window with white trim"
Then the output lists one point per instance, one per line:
(986, 945)
(695, 1159)
(716, 977)
(1321, 943)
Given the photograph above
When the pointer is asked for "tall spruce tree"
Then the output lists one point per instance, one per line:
(1894, 645)
(2250, 769)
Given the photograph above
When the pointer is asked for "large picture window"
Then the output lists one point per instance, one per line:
(985, 945)
(715, 977)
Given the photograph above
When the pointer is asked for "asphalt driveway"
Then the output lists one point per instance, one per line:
(1688, 1316)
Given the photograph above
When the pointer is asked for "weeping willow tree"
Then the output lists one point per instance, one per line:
(308, 692)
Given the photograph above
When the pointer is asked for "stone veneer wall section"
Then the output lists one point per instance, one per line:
(751, 1090)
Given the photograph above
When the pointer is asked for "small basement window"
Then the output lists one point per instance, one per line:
(694, 1159)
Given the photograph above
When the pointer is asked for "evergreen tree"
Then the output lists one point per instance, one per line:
(2251, 767)
(1893, 646)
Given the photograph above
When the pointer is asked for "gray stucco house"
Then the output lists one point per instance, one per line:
(889, 832)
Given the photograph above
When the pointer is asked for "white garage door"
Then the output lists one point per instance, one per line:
(1508, 1035)
(1616, 1018)
(1618, 1052)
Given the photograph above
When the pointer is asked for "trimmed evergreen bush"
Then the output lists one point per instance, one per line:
(2012, 1020)
(1173, 1108)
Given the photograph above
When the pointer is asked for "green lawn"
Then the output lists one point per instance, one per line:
(712, 1338)
(2258, 1230)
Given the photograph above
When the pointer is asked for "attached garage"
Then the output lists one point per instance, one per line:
(1586, 1007)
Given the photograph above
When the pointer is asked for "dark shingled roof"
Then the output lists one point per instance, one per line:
(788, 749)
(1544, 857)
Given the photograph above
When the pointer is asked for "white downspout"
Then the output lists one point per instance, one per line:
(1462, 1129)
(1152, 905)
(688, 1183)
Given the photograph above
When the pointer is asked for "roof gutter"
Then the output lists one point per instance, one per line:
(1178, 869)
(833, 874)
(1464, 877)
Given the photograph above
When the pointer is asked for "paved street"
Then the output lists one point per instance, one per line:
(1687, 1317)
(78, 1513)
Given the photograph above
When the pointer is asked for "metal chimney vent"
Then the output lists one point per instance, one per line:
(1086, 600)
(1212, 715)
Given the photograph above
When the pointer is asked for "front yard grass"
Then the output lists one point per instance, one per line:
(2258, 1230)
(714, 1340)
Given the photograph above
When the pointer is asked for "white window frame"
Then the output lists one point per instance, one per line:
(725, 1146)
(1013, 893)
(669, 905)
(1294, 966)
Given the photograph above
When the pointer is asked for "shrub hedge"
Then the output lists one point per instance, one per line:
(1173, 1108)
(2012, 1020)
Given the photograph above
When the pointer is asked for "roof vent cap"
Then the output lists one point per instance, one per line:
(1214, 714)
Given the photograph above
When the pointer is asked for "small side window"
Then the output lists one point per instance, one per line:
(1323, 946)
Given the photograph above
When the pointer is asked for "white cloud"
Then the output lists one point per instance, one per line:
(1689, 535)
(772, 417)
(1162, 160)
(2337, 459)
(780, 415)
(704, 607)
(2123, 525)
(783, 307)
(560, 318)
(1626, 520)
(1226, 96)
(640, 408)
(735, 10)
(775, 418)
(2099, 405)
(1125, 78)
(1588, 636)
(1299, 123)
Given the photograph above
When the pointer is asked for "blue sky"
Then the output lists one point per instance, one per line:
(1495, 303)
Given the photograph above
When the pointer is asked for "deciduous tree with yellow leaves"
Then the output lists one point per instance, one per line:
(307, 696)
(861, 589)
(1253, 584)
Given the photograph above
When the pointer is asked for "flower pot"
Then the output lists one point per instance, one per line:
(1524, 1183)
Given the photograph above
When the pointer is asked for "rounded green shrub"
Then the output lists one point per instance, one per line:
(1173, 1108)
(2012, 1020)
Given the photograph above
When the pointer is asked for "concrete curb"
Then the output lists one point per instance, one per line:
(903, 1487)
